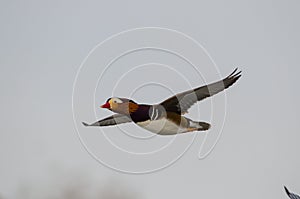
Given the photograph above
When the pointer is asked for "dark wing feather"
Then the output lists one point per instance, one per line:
(112, 120)
(181, 102)
(291, 195)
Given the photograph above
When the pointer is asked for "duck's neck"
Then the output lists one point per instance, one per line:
(141, 113)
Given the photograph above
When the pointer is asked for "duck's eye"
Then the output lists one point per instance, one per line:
(116, 101)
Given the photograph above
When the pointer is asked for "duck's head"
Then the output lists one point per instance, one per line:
(120, 105)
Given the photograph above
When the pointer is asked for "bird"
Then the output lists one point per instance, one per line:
(291, 195)
(167, 117)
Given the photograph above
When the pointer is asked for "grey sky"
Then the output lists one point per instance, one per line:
(44, 42)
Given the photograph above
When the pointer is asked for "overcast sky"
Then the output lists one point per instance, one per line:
(44, 43)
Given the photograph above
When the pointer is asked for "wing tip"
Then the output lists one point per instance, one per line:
(286, 190)
(232, 78)
(85, 124)
(235, 74)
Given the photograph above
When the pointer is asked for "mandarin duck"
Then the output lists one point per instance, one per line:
(167, 117)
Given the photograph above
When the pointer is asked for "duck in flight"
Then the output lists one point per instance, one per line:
(167, 117)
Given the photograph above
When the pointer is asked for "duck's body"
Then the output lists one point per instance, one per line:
(165, 126)
(165, 118)
(154, 118)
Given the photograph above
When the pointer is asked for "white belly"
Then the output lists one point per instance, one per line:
(162, 127)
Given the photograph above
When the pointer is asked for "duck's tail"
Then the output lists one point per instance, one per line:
(200, 126)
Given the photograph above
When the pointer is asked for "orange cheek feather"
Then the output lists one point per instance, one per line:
(132, 107)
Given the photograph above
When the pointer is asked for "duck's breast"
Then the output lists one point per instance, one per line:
(162, 126)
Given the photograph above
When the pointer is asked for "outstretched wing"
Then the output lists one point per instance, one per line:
(181, 102)
(291, 195)
(112, 120)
